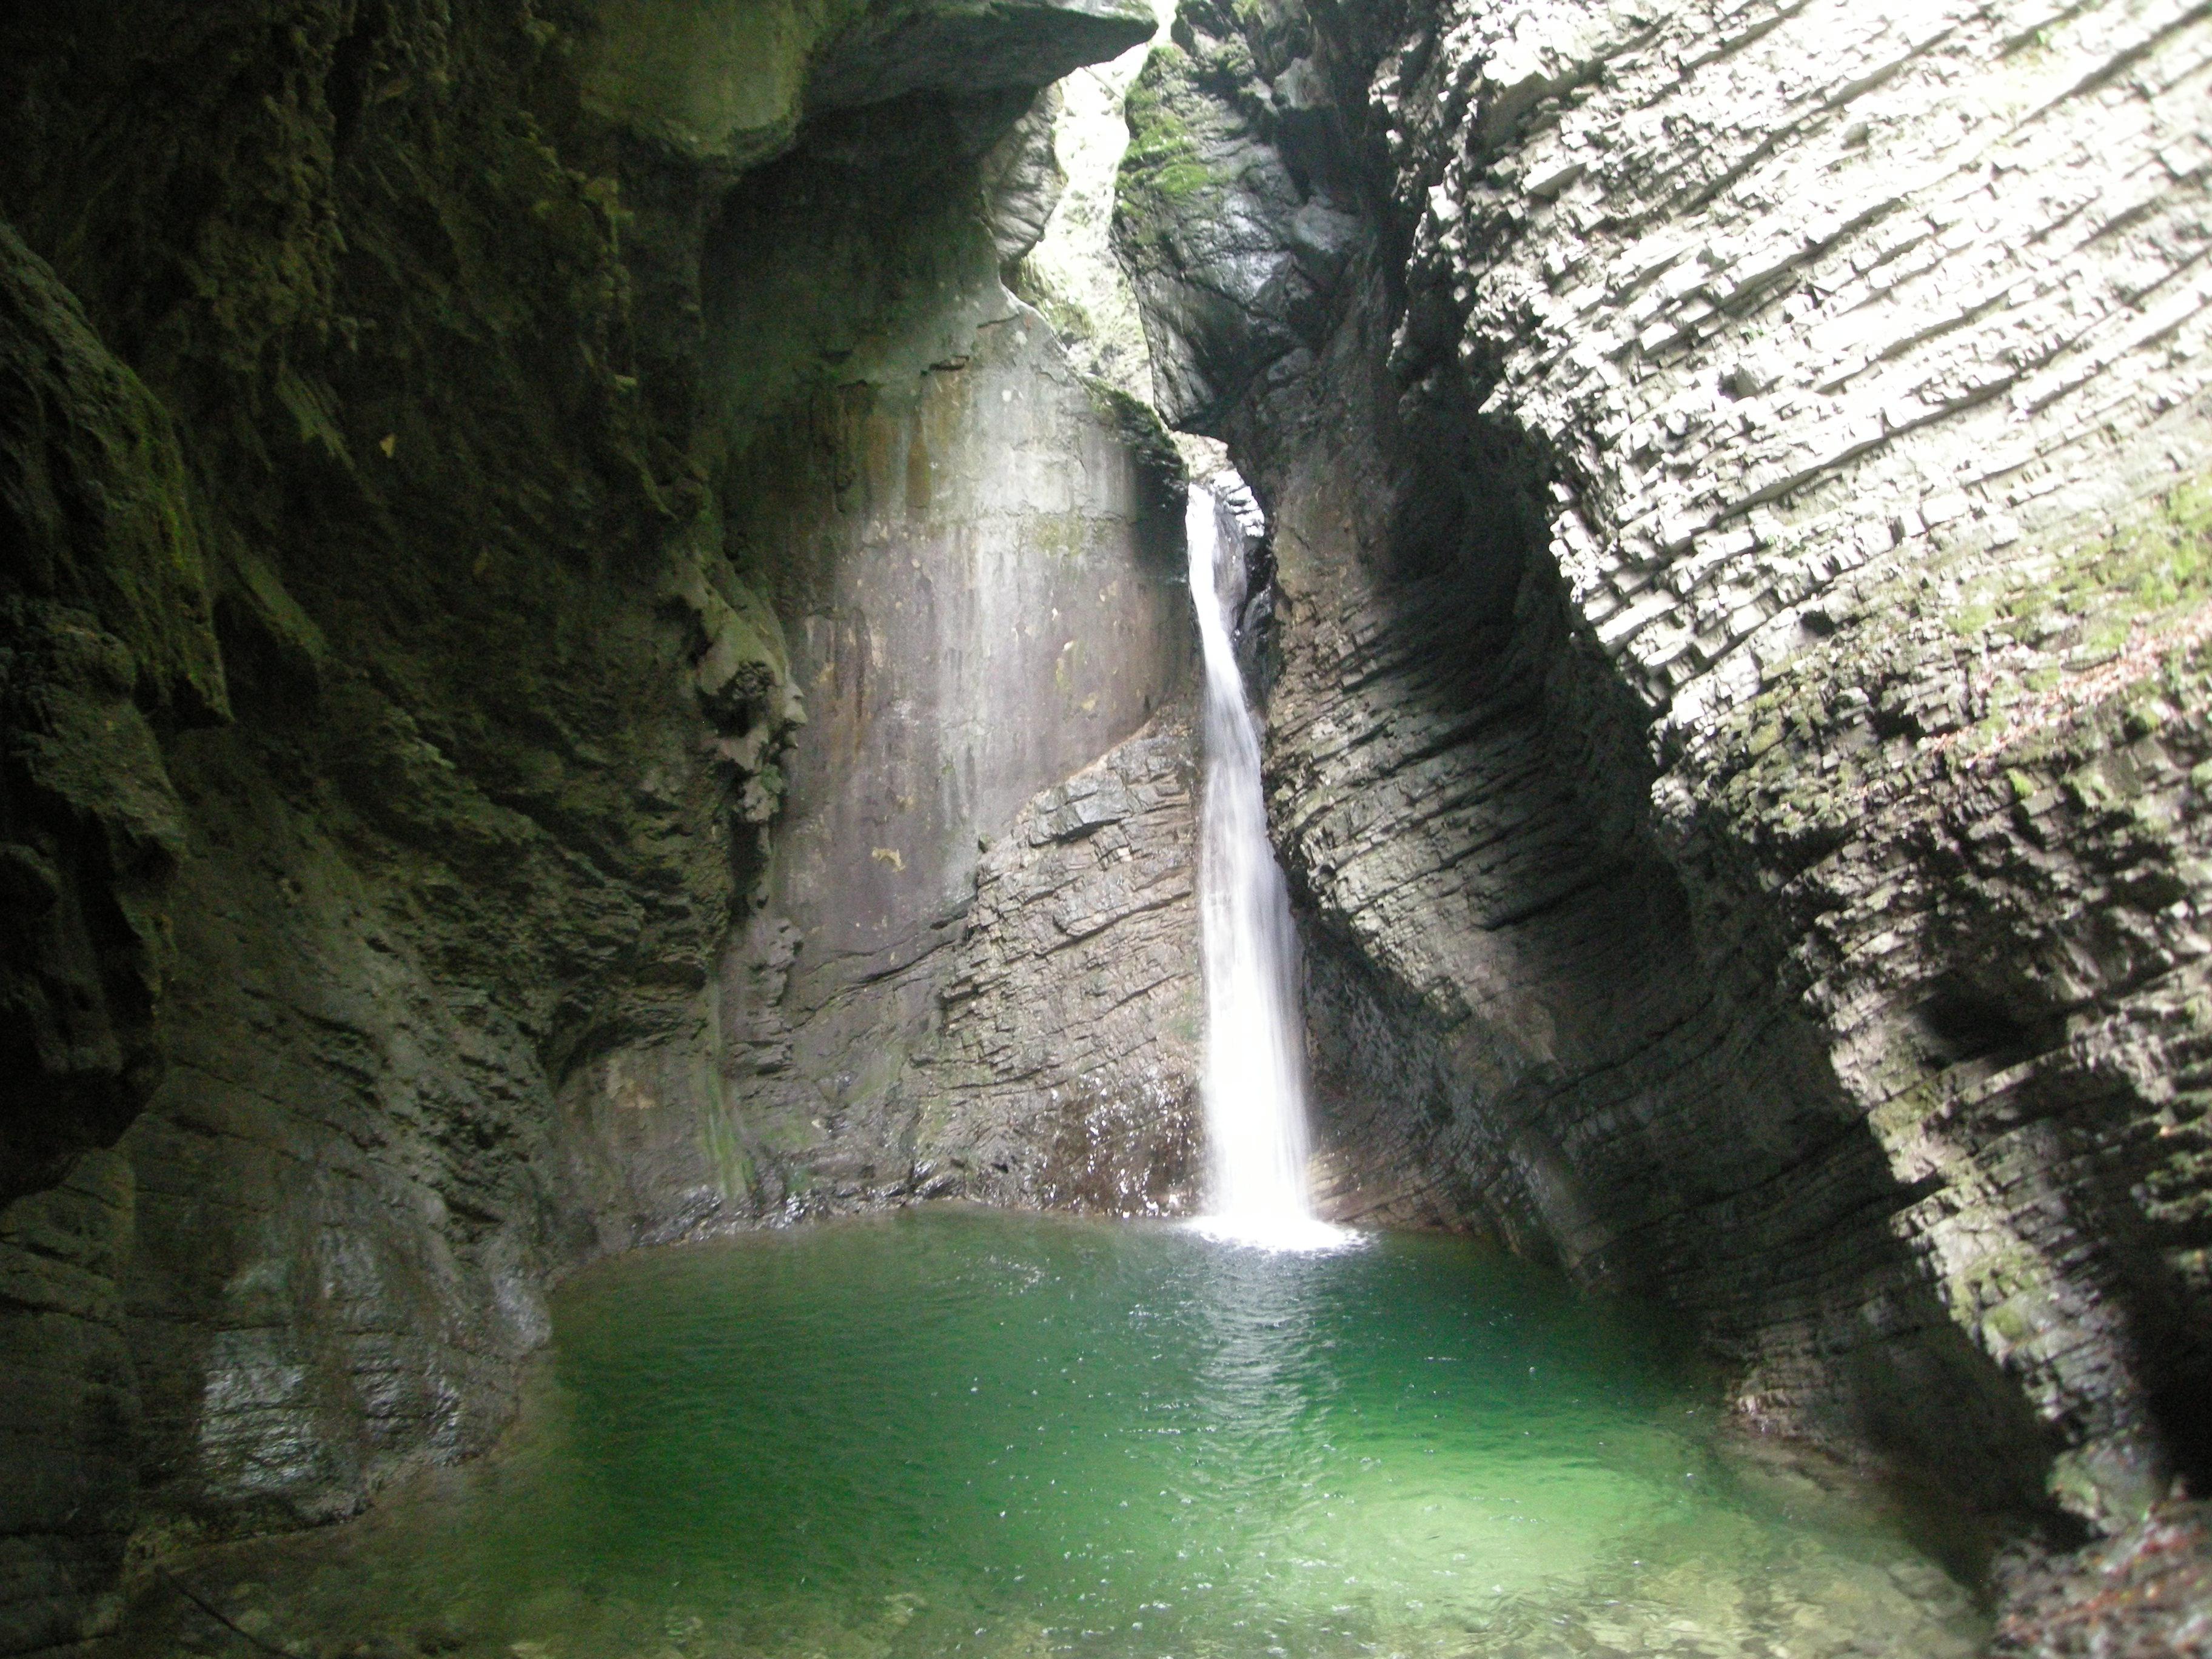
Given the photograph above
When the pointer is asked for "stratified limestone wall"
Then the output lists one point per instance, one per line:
(388, 729)
(1742, 499)
(1791, 296)
(1076, 990)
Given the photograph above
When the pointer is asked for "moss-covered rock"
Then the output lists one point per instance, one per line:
(386, 732)
(1204, 222)
(109, 629)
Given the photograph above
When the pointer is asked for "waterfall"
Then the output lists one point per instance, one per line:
(1254, 1077)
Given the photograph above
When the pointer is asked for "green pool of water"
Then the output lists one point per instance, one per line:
(957, 1432)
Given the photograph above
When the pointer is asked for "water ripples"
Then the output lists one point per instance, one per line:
(1023, 1436)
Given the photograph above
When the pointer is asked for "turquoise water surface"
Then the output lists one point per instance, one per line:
(963, 1432)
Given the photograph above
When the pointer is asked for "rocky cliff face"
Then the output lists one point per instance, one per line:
(462, 472)
(978, 568)
(1738, 479)
(575, 669)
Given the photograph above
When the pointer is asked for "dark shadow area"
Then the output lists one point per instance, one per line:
(1957, 1023)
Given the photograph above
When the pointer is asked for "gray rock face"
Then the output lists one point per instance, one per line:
(1739, 532)
(981, 603)
(1023, 181)
(893, 48)
(982, 595)
(1202, 199)
(730, 82)
(1075, 1001)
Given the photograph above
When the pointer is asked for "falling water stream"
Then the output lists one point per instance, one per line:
(1255, 1077)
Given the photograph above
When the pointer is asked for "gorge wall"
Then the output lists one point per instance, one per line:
(576, 670)
(466, 473)
(1738, 480)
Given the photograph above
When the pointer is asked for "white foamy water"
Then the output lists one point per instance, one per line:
(1254, 1079)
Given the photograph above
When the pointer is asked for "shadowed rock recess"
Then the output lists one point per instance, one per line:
(577, 670)
(1740, 478)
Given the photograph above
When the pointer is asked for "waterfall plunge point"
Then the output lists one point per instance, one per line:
(1254, 1082)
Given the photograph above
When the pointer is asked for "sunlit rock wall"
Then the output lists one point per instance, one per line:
(984, 601)
(978, 582)
(973, 553)
(1738, 480)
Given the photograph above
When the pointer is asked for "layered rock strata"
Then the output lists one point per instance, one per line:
(1738, 476)
(395, 679)
(1075, 991)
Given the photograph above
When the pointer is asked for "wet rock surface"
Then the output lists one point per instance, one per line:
(1075, 998)
(391, 702)
(979, 580)
(1743, 667)
(2146, 1591)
